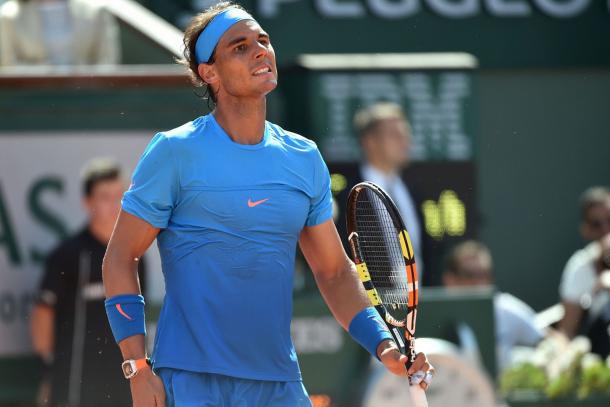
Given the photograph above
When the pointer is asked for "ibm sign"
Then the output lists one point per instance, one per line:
(435, 105)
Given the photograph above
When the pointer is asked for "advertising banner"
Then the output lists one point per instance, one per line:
(40, 204)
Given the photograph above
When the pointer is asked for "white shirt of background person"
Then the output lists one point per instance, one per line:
(579, 281)
(514, 326)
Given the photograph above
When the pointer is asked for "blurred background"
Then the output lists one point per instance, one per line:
(500, 155)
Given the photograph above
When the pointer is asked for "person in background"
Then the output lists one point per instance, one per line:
(69, 328)
(578, 288)
(385, 137)
(57, 32)
(595, 303)
(470, 265)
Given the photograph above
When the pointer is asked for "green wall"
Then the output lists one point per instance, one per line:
(500, 33)
(544, 137)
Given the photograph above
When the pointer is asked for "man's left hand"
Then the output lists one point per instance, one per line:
(420, 372)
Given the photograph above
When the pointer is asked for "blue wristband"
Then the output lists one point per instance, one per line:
(369, 330)
(126, 315)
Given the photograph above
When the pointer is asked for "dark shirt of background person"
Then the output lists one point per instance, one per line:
(69, 325)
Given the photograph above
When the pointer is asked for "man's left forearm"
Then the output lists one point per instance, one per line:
(343, 293)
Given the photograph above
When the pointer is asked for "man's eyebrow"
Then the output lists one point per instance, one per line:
(236, 41)
(242, 38)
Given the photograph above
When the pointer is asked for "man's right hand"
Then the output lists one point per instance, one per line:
(147, 389)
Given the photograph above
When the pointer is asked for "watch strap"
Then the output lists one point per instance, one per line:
(135, 365)
(142, 363)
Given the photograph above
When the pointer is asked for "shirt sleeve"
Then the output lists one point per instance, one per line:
(54, 280)
(516, 322)
(574, 280)
(321, 208)
(154, 187)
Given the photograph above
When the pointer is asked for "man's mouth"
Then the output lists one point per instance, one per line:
(262, 71)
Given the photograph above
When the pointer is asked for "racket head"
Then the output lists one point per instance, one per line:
(383, 253)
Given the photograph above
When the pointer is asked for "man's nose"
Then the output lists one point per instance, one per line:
(260, 51)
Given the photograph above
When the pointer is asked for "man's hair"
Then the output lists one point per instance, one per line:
(467, 249)
(191, 34)
(367, 118)
(97, 170)
(593, 196)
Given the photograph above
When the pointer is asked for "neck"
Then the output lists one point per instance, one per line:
(381, 165)
(101, 231)
(242, 119)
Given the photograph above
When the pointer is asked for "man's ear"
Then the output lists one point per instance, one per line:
(207, 72)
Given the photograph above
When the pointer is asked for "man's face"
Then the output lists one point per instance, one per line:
(244, 64)
(596, 223)
(390, 139)
(104, 203)
(473, 271)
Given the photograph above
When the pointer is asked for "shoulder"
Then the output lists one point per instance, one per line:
(581, 259)
(508, 303)
(292, 140)
(179, 138)
(184, 133)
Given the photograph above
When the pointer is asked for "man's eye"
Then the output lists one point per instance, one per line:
(240, 48)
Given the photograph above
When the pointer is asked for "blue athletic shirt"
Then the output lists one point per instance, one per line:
(230, 216)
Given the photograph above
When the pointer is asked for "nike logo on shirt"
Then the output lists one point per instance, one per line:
(253, 204)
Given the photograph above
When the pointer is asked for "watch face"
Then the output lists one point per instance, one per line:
(128, 369)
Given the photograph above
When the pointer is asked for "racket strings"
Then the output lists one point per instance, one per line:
(381, 250)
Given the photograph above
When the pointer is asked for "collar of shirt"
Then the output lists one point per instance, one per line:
(384, 180)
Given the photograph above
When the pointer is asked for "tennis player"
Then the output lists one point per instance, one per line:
(227, 196)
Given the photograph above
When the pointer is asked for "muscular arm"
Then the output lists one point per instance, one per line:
(130, 239)
(570, 322)
(333, 271)
(337, 279)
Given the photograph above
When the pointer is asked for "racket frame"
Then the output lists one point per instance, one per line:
(406, 345)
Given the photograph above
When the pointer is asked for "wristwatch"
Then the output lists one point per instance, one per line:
(131, 367)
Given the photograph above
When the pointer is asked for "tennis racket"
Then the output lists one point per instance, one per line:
(385, 261)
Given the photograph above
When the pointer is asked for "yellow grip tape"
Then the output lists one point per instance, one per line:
(363, 272)
(405, 244)
(373, 296)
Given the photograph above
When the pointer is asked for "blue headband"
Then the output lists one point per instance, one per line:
(209, 37)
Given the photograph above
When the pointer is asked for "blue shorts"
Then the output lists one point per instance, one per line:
(190, 389)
